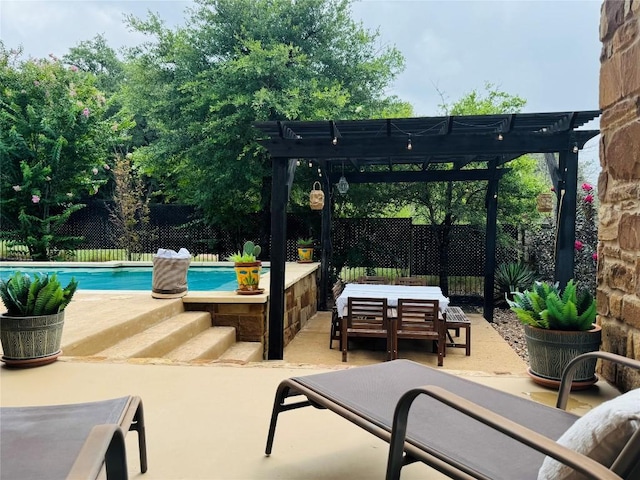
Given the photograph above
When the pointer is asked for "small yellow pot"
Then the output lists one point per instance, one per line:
(305, 254)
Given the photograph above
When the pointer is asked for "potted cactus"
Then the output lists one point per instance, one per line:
(247, 267)
(305, 250)
(31, 328)
(558, 326)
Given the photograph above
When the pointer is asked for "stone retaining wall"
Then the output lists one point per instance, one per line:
(618, 290)
(251, 319)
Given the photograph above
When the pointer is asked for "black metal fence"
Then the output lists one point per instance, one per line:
(390, 247)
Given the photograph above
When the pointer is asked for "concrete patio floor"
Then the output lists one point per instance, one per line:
(210, 421)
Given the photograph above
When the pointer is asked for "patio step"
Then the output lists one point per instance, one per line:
(207, 345)
(161, 338)
(242, 353)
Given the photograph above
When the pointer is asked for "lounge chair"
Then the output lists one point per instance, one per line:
(467, 430)
(74, 441)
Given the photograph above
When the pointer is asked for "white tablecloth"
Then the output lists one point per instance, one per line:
(392, 293)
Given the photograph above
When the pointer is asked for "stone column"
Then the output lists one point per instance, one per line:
(618, 290)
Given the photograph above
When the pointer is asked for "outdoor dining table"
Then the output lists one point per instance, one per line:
(392, 293)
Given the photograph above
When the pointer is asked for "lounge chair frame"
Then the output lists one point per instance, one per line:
(535, 431)
(79, 439)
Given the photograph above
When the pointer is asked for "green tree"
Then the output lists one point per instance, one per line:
(239, 61)
(53, 149)
(445, 204)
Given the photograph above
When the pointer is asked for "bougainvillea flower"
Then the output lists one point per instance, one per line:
(86, 112)
(595, 257)
(106, 166)
(94, 170)
(578, 245)
(553, 189)
(588, 198)
(73, 68)
(35, 198)
(587, 187)
(17, 188)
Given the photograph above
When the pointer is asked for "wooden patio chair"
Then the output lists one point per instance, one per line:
(366, 318)
(411, 281)
(419, 320)
(74, 441)
(372, 280)
(468, 430)
(334, 333)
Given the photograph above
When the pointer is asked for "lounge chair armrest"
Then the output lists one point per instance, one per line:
(104, 446)
(575, 460)
(570, 371)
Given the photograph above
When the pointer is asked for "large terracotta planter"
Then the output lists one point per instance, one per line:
(248, 276)
(30, 341)
(551, 350)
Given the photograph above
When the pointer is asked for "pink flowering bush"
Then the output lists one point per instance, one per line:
(53, 132)
(585, 246)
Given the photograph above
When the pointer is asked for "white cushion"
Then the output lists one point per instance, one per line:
(600, 434)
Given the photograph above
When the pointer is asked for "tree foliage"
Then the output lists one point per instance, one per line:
(53, 146)
(238, 61)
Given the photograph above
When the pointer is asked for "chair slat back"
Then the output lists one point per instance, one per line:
(337, 289)
(418, 314)
(411, 281)
(367, 313)
(372, 280)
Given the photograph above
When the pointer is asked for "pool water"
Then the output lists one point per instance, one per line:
(131, 278)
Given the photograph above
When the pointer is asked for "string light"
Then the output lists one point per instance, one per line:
(409, 146)
(310, 164)
(297, 163)
(575, 148)
(500, 137)
(334, 141)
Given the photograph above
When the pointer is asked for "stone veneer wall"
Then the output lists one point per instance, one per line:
(618, 290)
(251, 319)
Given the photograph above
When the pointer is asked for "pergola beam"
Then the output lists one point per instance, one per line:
(461, 144)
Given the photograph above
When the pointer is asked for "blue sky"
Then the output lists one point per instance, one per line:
(544, 51)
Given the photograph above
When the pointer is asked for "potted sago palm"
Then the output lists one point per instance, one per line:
(31, 328)
(558, 326)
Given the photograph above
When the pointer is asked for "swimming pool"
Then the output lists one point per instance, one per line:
(199, 278)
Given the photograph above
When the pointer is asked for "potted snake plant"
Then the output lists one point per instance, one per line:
(31, 328)
(558, 326)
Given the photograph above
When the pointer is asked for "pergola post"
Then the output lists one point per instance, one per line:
(279, 198)
(325, 243)
(566, 217)
(490, 242)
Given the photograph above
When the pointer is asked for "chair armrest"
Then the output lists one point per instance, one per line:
(570, 370)
(104, 446)
(575, 460)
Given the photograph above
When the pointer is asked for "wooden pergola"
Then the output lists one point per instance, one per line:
(404, 150)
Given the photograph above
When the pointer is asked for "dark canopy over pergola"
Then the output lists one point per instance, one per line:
(488, 142)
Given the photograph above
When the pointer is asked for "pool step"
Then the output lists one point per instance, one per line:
(243, 352)
(161, 338)
(149, 328)
(86, 335)
(207, 345)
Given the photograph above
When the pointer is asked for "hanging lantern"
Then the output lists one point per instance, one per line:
(545, 202)
(316, 197)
